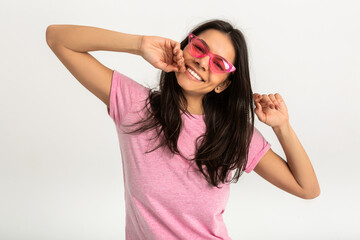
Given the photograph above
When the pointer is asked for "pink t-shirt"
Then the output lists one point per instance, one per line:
(165, 197)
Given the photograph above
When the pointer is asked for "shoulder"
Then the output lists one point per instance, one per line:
(257, 139)
(258, 147)
(128, 83)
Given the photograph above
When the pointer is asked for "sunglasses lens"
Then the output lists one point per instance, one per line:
(198, 48)
(219, 65)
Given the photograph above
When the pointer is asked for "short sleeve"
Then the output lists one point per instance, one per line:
(258, 147)
(125, 94)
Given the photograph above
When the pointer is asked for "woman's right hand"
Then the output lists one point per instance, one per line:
(162, 53)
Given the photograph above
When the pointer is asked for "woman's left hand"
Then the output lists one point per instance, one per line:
(271, 109)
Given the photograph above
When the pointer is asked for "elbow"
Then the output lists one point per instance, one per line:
(312, 194)
(49, 35)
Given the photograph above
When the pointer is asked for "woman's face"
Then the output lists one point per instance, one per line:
(220, 44)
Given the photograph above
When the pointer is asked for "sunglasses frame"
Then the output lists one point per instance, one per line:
(210, 54)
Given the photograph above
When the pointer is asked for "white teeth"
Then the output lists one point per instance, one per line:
(194, 74)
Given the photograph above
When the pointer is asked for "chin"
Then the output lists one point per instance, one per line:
(184, 82)
(187, 85)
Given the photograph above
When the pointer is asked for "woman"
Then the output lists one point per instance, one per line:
(203, 113)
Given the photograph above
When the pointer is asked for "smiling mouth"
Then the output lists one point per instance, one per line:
(194, 74)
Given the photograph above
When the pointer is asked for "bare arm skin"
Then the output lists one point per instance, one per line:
(71, 44)
(296, 175)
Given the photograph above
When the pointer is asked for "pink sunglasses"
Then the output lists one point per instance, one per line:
(198, 48)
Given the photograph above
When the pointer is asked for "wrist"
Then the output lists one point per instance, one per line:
(285, 127)
(139, 42)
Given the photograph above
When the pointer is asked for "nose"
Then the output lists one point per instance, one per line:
(203, 62)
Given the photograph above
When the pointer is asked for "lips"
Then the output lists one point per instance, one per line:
(187, 66)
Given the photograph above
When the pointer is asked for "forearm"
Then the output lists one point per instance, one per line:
(297, 159)
(86, 38)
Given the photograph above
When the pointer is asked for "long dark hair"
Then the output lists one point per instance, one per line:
(229, 115)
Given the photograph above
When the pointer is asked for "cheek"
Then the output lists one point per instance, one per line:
(186, 53)
(217, 80)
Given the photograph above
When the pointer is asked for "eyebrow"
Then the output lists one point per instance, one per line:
(210, 49)
(205, 43)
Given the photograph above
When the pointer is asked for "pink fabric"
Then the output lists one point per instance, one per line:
(165, 197)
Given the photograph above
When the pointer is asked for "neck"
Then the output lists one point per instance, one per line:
(194, 104)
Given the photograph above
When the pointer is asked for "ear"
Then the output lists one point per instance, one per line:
(222, 86)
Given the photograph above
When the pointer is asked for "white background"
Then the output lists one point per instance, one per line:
(60, 164)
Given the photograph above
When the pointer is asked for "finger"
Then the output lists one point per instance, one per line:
(256, 97)
(169, 46)
(179, 63)
(258, 106)
(166, 67)
(259, 112)
(178, 54)
(175, 46)
(266, 100)
(181, 68)
(275, 102)
(171, 68)
(178, 59)
(280, 101)
(178, 51)
(279, 98)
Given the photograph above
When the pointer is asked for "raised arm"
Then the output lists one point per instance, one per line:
(71, 44)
